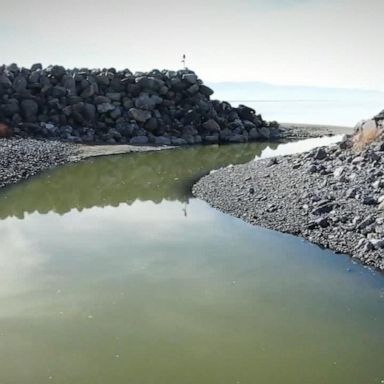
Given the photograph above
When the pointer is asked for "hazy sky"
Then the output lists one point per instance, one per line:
(307, 42)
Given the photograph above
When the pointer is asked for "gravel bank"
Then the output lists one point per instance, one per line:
(23, 158)
(331, 196)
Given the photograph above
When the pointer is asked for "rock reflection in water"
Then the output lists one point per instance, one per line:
(110, 181)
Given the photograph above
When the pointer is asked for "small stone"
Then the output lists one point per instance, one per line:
(339, 172)
(320, 154)
(358, 159)
(377, 243)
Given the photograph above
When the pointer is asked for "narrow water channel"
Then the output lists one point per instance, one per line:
(111, 272)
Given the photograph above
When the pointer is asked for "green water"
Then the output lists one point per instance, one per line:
(111, 273)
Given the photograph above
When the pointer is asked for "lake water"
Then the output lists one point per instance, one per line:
(111, 272)
(327, 112)
(295, 104)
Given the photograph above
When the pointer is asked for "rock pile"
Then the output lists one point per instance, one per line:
(110, 106)
(332, 196)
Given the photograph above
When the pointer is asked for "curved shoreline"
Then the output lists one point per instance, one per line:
(21, 159)
(24, 158)
(305, 195)
(279, 194)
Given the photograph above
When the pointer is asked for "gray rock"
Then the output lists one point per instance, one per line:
(114, 96)
(139, 140)
(265, 133)
(320, 154)
(339, 172)
(237, 138)
(145, 101)
(29, 109)
(162, 140)
(254, 134)
(102, 100)
(58, 71)
(139, 115)
(211, 125)
(115, 113)
(148, 82)
(358, 160)
(377, 243)
(20, 84)
(5, 81)
(206, 90)
(365, 223)
(105, 107)
(190, 78)
(212, 139)
(351, 192)
(178, 141)
(193, 89)
(324, 207)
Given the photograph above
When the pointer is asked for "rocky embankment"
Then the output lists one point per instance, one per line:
(332, 196)
(23, 158)
(109, 106)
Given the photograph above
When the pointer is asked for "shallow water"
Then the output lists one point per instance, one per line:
(110, 272)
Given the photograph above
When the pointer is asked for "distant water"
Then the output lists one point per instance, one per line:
(343, 113)
(293, 104)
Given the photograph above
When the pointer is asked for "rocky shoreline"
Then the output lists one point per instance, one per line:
(107, 106)
(331, 196)
(23, 158)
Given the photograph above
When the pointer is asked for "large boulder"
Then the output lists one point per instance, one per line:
(139, 115)
(29, 110)
(139, 140)
(146, 101)
(211, 126)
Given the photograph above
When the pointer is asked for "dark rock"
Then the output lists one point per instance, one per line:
(161, 140)
(178, 141)
(237, 138)
(323, 207)
(320, 154)
(272, 161)
(265, 133)
(211, 139)
(206, 90)
(58, 71)
(211, 126)
(29, 109)
(139, 115)
(369, 200)
(190, 78)
(139, 140)
(105, 107)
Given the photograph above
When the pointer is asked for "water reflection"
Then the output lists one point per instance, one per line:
(112, 180)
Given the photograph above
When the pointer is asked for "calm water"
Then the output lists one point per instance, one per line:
(111, 273)
(295, 104)
(329, 112)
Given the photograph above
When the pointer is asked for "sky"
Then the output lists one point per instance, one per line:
(327, 43)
